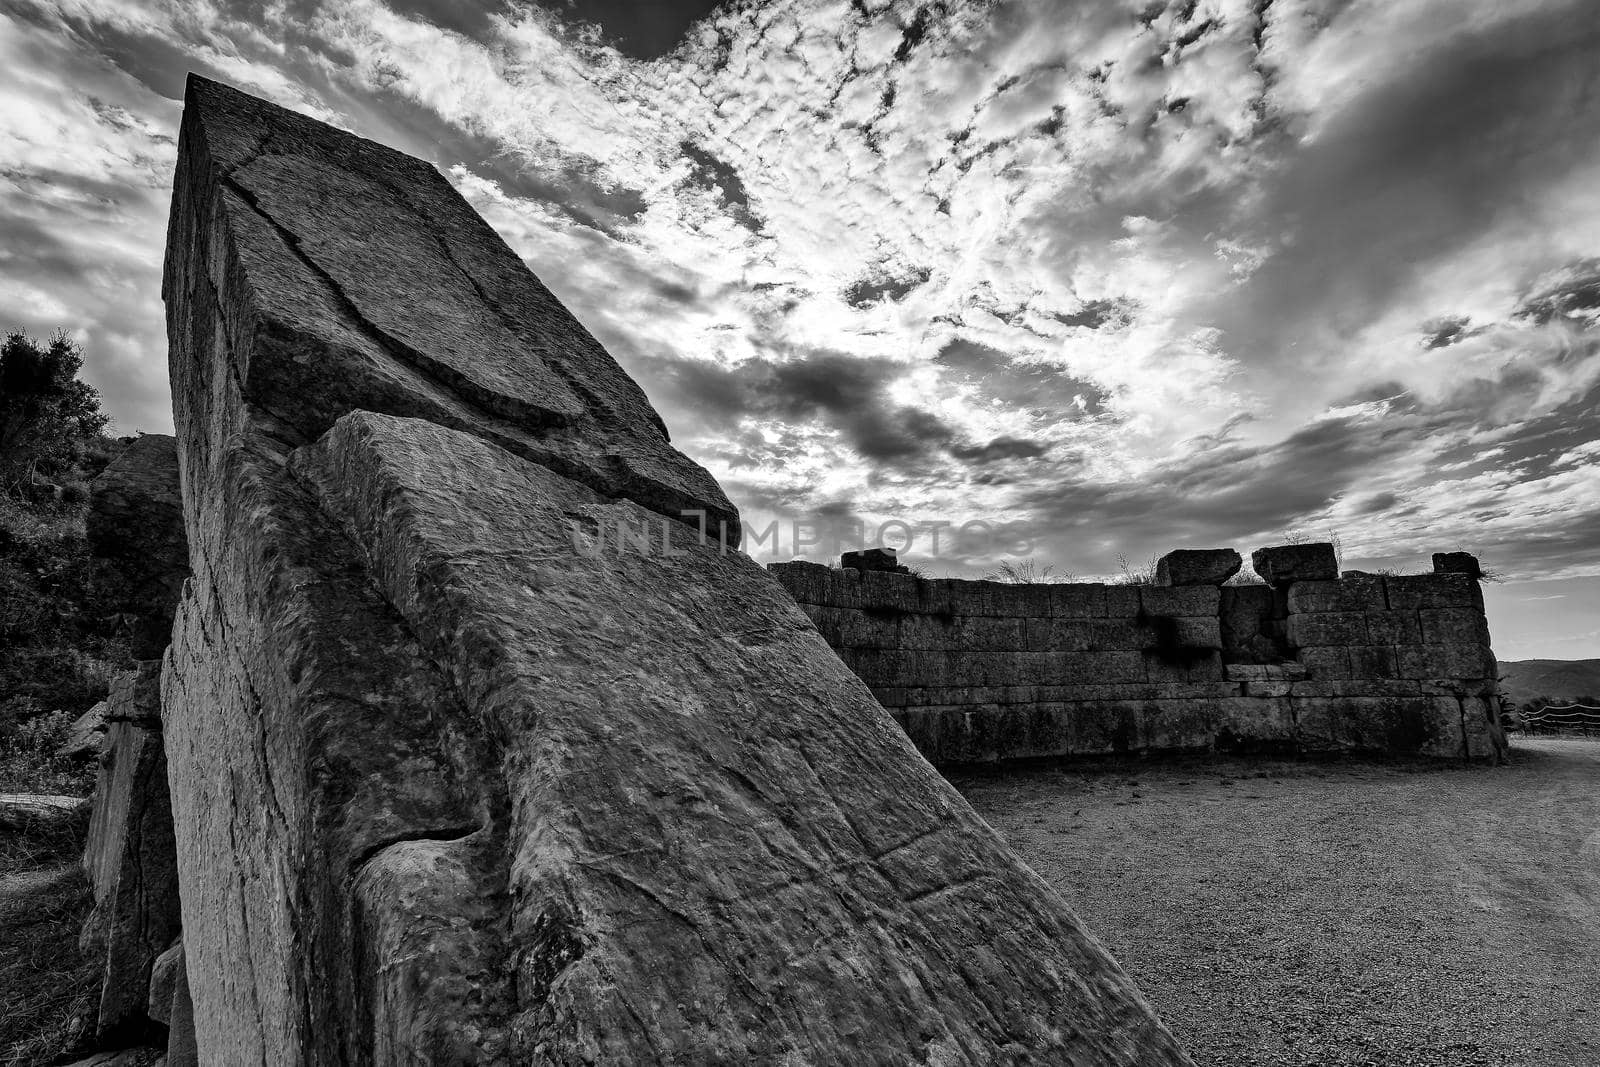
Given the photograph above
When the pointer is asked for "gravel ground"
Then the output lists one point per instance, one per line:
(1336, 914)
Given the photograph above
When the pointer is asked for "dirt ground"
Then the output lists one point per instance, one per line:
(1336, 914)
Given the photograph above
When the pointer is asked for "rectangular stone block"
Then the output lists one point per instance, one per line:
(1078, 600)
(1122, 601)
(1328, 661)
(1411, 591)
(1465, 661)
(1453, 626)
(1394, 628)
(1177, 726)
(1252, 723)
(1126, 634)
(1074, 634)
(1102, 727)
(1327, 628)
(887, 590)
(1282, 564)
(1024, 600)
(1202, 666)
(806, 582)
(1199, 631)
(1374, 661)
(1349, 593)
(1080, 668)
(1180, 600)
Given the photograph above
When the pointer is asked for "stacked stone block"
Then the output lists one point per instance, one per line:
(977, 670)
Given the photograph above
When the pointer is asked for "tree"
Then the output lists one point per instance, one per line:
(47, 416)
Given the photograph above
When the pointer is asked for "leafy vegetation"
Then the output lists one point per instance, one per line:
(48, 418)
(58, 652)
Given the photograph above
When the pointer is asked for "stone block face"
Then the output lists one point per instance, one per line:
(1394, 628)
(1282, 564)
(1243, 611)
(1198, 566)
(1122, 601)
(1457, 563)
(874, 559)
(1453, 626)
(1353, 592)
(1204, 600)
(445, 781)
(1078, 601)
(1374, 662)
(1326, 661)
(1328, 628)
(1409, 592)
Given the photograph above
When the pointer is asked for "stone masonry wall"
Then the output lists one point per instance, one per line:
(1312, 662)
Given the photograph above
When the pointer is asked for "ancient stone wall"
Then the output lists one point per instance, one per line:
(447, 787)
(1312, 662)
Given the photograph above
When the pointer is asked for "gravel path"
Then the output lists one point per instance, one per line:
(1336, 914)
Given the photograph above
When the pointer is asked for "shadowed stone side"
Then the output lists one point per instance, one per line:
(451, 789)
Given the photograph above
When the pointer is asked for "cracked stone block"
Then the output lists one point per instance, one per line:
(1282, 564)
(449, 785)
(1198, 566)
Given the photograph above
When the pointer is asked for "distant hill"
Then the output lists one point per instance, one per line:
(1559, 679)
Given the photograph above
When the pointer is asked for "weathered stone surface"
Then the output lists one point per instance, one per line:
(1457, 563)
(164, 982)
(1242, 611)
(300, 228)
(132, 867)
(1187, 600)
(456, 783)
(135, 525)
(87, 732)
(699, 899)
(1198, 566)
(1350, 592)
(1282, 564)
(874, 559)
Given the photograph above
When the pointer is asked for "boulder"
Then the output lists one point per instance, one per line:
(1283, 564)
(455, 783)
(874, 559)
(1197, 566)
(1457, 563)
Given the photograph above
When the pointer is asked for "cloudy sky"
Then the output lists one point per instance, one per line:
(1124, 274)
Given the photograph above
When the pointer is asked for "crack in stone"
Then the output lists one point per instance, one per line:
(446, 379)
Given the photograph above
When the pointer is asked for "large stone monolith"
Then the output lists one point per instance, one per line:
(462, 770)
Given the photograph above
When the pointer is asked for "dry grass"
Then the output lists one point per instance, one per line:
(1336, 915)
(48, 991)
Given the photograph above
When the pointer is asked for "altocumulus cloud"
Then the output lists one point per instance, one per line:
(1130, 274)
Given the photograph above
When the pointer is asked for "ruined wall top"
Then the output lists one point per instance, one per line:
(354, 277)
